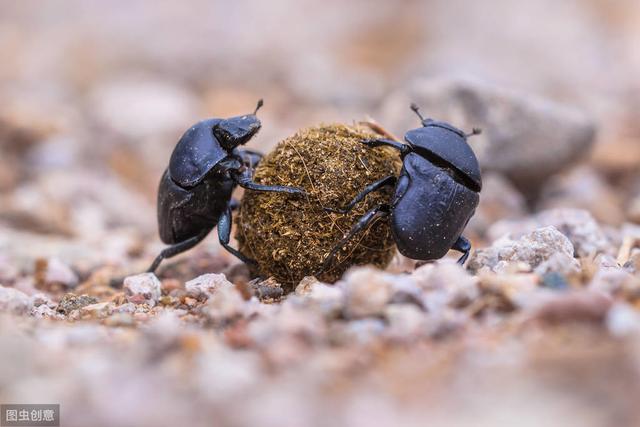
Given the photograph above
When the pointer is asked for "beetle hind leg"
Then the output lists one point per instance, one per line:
(365, 220)
(462, 245)
(176, 249)
(224, 235)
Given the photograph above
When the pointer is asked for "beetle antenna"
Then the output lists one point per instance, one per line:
(474, 131)
(258, 106)
(416, 110)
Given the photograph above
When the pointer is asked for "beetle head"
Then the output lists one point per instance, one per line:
(447, 146)
(237, 130)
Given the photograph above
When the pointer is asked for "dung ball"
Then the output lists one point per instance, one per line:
(291, 237)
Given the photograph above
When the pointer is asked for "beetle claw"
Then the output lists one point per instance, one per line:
(299, 192)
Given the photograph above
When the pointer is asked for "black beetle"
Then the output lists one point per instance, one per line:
(195, 191)
(435, 195)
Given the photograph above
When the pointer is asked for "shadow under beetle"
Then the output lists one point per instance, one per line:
(435, 195)
(195, 191)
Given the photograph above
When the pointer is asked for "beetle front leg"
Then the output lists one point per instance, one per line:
(384, 142)
(250, 158)
(462, 245)
(375, 186)
(245, 180)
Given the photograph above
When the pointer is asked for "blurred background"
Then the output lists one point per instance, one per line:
(96, 94)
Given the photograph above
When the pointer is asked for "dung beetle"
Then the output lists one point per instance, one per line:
(435, 195)
(195, 190)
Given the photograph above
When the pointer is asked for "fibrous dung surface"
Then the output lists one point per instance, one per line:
(290, 237)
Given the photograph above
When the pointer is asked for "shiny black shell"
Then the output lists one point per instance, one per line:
(185, 213)
(430, 209)
(197, 152)
(450, 145)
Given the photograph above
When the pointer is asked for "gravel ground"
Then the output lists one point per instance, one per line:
(541, 327)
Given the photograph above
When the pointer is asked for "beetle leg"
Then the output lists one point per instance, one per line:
(380, 142)
(365, 220)
(250, 158)
(462, 245)
(377, 185)
(224, 234)
(234, 204)
(245, 180)
(176, 249)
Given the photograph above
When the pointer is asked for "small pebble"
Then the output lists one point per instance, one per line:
(328, 298)
(14, 301)
(52, 273)
(71, 302)
(622, 320)
(142, 289)
(367, 292)
(224, 305)
(534, 249)
(206, 285)
(97, 311)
